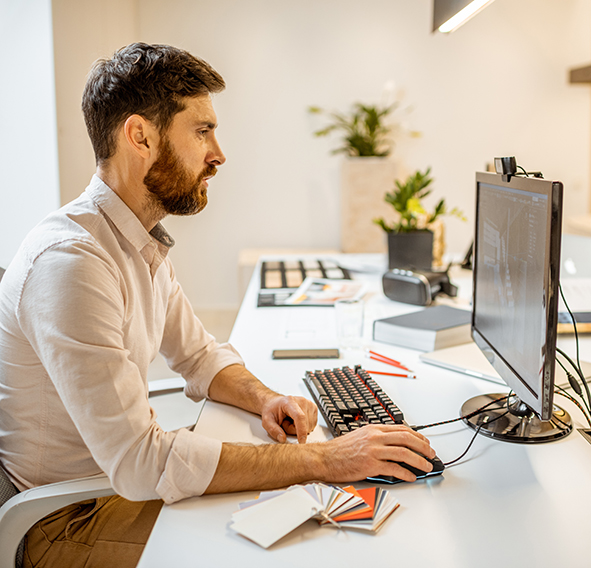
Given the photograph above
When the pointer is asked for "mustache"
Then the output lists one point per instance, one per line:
(209, 172)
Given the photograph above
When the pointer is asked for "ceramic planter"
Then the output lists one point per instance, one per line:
(364, 182)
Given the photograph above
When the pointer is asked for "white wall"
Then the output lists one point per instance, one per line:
(497, 86)
(84, 31)
(28, 146)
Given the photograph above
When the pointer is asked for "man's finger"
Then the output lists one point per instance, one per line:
(300, 422)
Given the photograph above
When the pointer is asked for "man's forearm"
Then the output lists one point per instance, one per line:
(237, 386)
(367, 452)
(268, 466)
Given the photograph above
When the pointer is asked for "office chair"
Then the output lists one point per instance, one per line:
(20, 511)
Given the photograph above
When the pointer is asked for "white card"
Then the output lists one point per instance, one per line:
(266, 523)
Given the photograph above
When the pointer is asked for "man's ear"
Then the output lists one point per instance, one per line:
(140, 135)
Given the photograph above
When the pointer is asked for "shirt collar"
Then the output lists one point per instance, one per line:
(124, 218)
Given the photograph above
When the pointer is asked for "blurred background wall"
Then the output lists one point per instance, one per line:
(497, 86)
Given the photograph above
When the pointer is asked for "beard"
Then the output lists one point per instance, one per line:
(173, 190)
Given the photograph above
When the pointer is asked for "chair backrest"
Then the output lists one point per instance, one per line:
(7, 488)
(7, 491)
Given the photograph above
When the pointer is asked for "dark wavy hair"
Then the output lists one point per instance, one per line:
(148, 80)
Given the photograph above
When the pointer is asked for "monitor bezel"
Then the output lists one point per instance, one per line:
(541, 403)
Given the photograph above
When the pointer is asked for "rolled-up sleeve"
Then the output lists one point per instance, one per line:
(184, 476)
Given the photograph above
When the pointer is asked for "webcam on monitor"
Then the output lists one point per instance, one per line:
(507, 167)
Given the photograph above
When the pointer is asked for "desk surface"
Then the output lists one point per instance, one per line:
(502, 505)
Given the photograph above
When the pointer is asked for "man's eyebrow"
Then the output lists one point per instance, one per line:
(205, 124)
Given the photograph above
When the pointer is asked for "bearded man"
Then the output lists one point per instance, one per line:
(90, 299)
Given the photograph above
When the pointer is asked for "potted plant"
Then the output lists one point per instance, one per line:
(366, 140)
(365, 131)
(410, 238)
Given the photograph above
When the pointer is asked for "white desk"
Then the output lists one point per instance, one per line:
(503, 505)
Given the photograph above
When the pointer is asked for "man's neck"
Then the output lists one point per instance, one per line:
(133, 193)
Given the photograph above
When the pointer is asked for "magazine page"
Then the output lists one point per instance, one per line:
(325, 292)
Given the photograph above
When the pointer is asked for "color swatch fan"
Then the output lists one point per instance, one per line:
(276, 513)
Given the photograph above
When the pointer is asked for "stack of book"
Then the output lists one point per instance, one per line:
(276, 513)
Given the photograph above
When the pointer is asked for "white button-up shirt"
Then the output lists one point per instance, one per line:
(85, 306)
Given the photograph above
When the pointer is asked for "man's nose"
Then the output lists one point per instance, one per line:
(216, 156)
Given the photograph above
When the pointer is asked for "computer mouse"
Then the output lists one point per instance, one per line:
(438, 467)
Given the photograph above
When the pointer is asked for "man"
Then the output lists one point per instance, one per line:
(89, 300)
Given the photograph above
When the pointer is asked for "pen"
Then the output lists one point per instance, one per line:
(406, 375)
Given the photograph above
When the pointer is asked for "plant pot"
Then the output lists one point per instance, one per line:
(364, 183)
(410, 250)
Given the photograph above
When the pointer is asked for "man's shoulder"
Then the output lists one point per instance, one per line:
(77, 222)
(74, 240)
(64, 247)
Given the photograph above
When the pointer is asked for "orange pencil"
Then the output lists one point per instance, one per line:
(387, 360)
(406, 375)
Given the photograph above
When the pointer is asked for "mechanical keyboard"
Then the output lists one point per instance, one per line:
(349, 399)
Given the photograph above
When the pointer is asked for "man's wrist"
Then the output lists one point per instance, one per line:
(314, 462)
(267, 397)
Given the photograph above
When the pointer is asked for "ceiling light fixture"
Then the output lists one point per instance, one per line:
(449, 15)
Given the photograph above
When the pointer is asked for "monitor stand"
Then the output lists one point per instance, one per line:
(513, 421)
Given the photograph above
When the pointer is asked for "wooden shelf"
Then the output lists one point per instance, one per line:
(581, 75)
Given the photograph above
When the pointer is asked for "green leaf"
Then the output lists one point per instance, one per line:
(364, 132)
(406, 199)
(414, 207)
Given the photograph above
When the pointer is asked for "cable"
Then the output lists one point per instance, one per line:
(559, 391)
(474, 438)
(572, 317)
(577, 367)
(468, 448)
(576, 387)
(581, 376)
(474, 413)
(465, 417)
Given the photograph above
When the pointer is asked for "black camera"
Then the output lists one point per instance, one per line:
(416, 287)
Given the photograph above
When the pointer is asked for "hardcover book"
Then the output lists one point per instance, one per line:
(430, 329)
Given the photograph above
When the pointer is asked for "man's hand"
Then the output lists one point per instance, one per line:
(374, 450)
(294, 415)
(281, 415)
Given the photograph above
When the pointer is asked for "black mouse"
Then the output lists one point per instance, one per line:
(438, 468)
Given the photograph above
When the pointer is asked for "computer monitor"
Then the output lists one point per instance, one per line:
(516, 265)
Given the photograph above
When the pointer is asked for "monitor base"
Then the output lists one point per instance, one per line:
(500, 422)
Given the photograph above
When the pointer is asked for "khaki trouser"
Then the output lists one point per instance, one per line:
(98, 533)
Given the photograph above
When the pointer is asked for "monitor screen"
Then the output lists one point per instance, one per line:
(516, 275)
